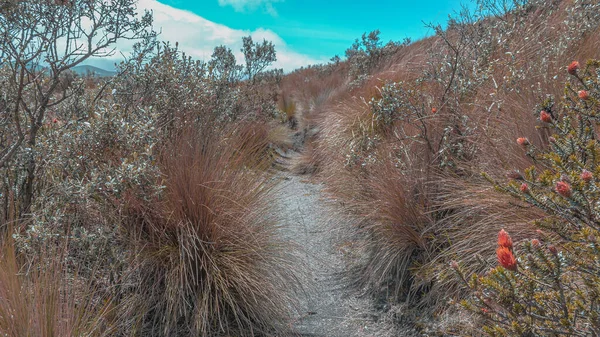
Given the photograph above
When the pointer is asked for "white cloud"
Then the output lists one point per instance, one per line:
(243, 5)
(198, 37)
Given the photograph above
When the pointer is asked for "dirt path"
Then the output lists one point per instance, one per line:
(327, 308)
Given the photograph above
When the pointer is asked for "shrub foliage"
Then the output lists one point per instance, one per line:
(549, 285)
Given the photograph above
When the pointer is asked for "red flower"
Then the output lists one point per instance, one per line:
(523, 141)
(524, 188)
(535, 243)
(545, 117)
(506, 258)
(586, 176)
(504, 239)
(583, 95)
(55, 121)
(433, 110)
(563, 189)
(573, 67)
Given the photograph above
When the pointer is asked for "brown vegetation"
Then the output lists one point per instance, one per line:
(207, 258)
(156, 183)
(402, 146)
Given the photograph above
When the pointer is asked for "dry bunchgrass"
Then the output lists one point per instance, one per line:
(288, 107)
(468, 213)
(208, 259)
(43, 299)
(279, 137)
(396, 225)
(307, 162)
(252, 143)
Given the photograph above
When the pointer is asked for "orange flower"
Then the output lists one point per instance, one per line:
(522, 141)
(563, 189)
(583, 95)
(504, 239)
(573, 67)
(545, 117)
(535, 243)
(506, 258)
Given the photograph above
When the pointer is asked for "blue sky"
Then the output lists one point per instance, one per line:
(323, 28)
(303, 31)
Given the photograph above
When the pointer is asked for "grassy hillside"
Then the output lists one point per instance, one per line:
(403, 132)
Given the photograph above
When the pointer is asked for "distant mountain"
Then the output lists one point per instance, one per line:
(86, 69)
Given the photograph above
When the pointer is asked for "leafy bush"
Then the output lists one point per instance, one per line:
(368, 52)
(258, 56)
(549, 285)
(41, 44)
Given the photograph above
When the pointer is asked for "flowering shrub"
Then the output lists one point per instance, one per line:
(550, 285)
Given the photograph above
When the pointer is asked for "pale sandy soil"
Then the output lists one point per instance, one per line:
(327, 307)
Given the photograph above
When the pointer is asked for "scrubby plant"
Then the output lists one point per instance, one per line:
(258, 56)
(549, 285)
(41, 42)
(223, 66)
(368, 52)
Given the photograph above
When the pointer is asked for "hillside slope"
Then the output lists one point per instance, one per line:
(402, 134)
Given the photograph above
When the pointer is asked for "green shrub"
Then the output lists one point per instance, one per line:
(550, 285)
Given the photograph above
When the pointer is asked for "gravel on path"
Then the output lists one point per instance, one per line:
(326, 307)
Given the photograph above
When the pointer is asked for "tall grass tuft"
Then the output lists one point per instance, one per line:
(208, 258)
(43, 299)
(396, 225)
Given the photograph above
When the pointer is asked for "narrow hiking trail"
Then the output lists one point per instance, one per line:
(327, 307)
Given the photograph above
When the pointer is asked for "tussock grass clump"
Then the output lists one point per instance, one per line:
(43, 299)
(208, 259)
(307, 162)
(396, 225)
